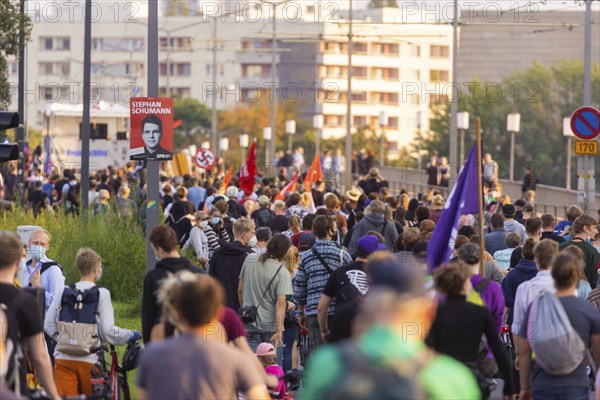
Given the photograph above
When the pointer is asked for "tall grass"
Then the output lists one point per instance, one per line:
(121, 245)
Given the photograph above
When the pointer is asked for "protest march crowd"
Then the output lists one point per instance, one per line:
(288, 287)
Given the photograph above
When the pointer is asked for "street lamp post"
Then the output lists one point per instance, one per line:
(569, 134)
(513, 125)
(244, 142)
(383, 121)
(224, 146)
(267, 136)
(290, 130)
(318, 126)
(462, 123)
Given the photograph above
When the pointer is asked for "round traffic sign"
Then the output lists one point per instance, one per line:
(585, 123)
(205, 159)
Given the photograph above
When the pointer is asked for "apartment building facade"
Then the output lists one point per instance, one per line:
(398, 68)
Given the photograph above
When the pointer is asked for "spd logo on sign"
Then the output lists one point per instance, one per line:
(205, 159)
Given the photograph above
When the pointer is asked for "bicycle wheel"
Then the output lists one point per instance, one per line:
(124, 387)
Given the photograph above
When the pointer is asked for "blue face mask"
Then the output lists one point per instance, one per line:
(23, 264)
(215, 220)
(36, 252)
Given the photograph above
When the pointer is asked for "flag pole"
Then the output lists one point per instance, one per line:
(480, 195)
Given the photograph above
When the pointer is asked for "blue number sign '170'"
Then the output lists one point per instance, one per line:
(585, 123)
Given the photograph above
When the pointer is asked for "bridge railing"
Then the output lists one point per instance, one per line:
(548, 199)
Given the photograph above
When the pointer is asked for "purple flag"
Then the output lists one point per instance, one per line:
(462, 200)
(47, 157)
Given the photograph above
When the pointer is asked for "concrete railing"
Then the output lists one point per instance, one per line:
(548, 199)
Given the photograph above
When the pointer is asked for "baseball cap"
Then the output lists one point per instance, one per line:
(232, 191)
(263, 200)
(306, 242)
(508, 210)
(369, 244)
(265, 349)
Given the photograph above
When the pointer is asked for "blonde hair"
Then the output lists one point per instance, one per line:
(242, 225)
(295, 224)
(86, 260)
(292, 260)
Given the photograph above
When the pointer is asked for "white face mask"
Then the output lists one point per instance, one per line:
(203, 224)
(252, 242)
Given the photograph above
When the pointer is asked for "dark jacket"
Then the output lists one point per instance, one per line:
(524, 271)
(151, 308)
(225, 266)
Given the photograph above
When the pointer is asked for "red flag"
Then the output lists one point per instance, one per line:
(227, 179)
(315, 173)
(290, 187)
(177, 123)
(248, 172)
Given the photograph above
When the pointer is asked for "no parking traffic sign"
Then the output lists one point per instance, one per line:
(205, 159)
(585, 123)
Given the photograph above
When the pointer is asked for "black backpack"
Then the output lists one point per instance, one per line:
(263, 216)
(16, 377)
(348, 291)
(366, 378)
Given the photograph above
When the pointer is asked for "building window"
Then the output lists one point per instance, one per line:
(360, 72)
(13, 68)
(176, 43)
(437, 51)
(334, 121)
(176, 69)
(55, 43)
(113, 44)
(386, 98)
(437, 99)
(183, 92)
(360, 48)
(49, 93)
(45, 68)
(359, 120)
(436, 75)
(386, 49)
(360, 97)
(389, 74)
(393, 122)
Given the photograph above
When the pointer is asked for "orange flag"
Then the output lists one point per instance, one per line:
(290, 187)
(315, 173)
(227, 179)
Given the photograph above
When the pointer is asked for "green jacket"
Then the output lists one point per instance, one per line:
(444, 377)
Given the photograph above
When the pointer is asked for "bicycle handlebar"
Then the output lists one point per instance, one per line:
(97, 349)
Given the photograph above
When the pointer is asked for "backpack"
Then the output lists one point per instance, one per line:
(348, 291)
(77, 326)
(366, 378)
(557, 346)
(263, 216)
(16, 371)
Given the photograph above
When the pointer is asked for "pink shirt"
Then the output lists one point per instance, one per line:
(278, 372)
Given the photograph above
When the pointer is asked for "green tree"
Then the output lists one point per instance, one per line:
(383, 3)
(195, 118)
(542, 95)
(10, 21)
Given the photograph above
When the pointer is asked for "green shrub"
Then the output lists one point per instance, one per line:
(121, 245)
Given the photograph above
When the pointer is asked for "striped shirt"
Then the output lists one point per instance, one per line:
(215, 239)
(312, 276)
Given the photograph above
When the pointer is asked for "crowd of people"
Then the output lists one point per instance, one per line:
(250, 286)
